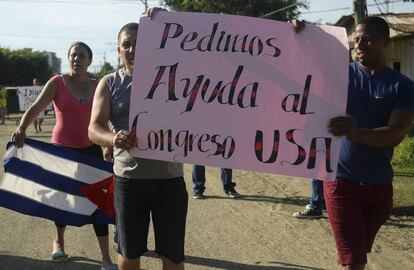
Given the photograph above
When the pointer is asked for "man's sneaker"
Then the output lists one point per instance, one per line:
(198, 195)
(308, 213)
(232, 193)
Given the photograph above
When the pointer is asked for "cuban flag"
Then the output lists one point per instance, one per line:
(52, 182)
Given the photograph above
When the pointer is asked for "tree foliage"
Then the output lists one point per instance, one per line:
(19, 67)
(404, 154)
(105, 69)
(252, 8)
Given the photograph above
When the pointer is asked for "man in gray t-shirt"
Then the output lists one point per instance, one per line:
(143, 187)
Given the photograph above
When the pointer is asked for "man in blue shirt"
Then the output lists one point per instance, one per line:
(379, 114)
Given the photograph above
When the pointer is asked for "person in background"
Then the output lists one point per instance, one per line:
(379, 115)
(199, 180)
(72, 96)
(2, 115)
(316, 204)
(39, 120)
(3, 105)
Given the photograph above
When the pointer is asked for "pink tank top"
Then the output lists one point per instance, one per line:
(72, 117)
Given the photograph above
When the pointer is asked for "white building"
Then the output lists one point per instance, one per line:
(54, 62)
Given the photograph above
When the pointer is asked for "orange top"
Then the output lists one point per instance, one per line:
(72, 117)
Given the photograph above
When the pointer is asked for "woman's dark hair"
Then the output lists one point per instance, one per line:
(79, 43)
(128, 26)
(378, 24)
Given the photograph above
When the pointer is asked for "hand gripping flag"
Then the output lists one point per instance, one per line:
(57, 183)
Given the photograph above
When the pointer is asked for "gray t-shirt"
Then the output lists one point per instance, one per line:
(119, 83)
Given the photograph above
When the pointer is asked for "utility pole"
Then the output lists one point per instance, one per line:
(360, 10)
(145, 2)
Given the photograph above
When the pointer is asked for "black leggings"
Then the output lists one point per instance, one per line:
(95, 151)
(100, 229)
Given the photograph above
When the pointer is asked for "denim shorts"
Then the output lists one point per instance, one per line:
(165, 201)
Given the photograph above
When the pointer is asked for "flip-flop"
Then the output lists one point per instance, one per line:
(59, 256)
(109, 267)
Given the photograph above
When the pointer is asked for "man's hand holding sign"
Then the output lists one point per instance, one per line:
(238, 92)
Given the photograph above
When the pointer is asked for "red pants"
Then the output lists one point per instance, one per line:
(356, 213)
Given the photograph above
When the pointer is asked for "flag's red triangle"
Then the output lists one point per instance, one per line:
(102, 194)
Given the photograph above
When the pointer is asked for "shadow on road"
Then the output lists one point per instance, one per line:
(402, 217)
(403, 211)
(10, 262)
(297, 201)
(405, 174)
(228, 265)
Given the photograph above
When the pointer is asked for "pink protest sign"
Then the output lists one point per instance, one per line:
(239, 92)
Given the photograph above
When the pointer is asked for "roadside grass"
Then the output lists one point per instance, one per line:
(403, 195)
(403, 163)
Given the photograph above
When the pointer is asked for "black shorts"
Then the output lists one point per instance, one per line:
(166, 200)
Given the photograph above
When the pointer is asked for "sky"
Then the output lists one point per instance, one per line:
(52, 25)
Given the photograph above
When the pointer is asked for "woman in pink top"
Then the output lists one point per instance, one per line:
(72, 96)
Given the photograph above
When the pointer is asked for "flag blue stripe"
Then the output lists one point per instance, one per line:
(43, 177)
(68, 154)
(29, 207)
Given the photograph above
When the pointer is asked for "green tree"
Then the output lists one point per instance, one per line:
(19, 67)
(105, 69)
(288, 9)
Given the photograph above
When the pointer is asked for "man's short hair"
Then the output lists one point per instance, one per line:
(378, 24)
(126, 27)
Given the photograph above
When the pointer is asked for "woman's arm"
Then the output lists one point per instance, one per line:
(45, 97)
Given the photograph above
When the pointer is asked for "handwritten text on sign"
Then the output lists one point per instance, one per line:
(27, 95)
(239, 92)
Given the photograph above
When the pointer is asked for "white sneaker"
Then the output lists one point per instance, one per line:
(308, 213)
